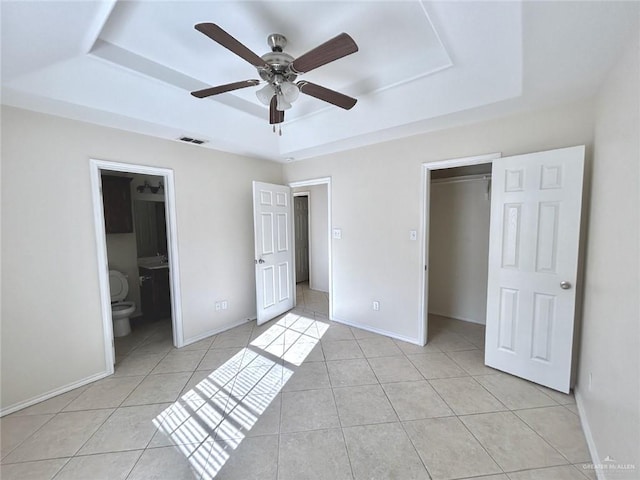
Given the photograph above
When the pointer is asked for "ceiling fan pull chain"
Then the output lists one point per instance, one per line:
(280, 131)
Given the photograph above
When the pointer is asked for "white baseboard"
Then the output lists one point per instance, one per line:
(457, 317)
(379, 331)
(593, 450)
(98, 376)
(215, 331)
(53, 393)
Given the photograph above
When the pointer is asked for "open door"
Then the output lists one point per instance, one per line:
(533, 265)
(272, 217)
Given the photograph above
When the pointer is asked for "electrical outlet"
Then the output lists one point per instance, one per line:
(376, 305)
(413, 235)
(224, 304)
(337, 233)
(218, 306)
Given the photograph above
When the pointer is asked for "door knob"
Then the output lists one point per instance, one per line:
(261, 261)
(565, 285)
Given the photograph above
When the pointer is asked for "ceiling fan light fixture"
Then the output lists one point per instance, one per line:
(266, 93)
(282, 104)
(290, 91)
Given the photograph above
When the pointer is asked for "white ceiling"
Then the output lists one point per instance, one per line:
(421, 65)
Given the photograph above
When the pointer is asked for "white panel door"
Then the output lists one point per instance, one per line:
(272, 214)
(533, 265)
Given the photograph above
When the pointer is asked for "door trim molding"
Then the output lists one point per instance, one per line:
(425, 212)
(322, 181)
(96, 166)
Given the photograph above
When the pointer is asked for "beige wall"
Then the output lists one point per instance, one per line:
(459, 249)
(610, 348)
(52, 333)
(376, 201)
(319, 251)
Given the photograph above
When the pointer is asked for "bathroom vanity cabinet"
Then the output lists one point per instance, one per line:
(155, 293)
(116, 197)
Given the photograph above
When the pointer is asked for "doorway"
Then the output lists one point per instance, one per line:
(458, 254)
(533, 256)
(151, 254)
(312, 220)
(441, 172)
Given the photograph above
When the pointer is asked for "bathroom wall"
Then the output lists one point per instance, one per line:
(138, 180)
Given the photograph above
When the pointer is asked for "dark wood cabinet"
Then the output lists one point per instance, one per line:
(116, 198)
(155, 293)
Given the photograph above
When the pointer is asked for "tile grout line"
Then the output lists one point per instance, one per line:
(401, 422)
(344, 439)
(254, 327)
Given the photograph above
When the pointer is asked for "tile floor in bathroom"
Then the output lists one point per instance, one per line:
(300, 397)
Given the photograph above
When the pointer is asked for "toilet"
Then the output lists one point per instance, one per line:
(120, 310)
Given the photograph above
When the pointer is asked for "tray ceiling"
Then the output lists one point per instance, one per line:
(421, 65)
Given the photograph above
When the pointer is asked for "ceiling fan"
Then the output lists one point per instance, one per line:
(280, 70)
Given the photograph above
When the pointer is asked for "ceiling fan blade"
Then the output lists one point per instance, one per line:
(275, 115)
(336, 98)
(215, 33)
(336, 48)
(207, 92)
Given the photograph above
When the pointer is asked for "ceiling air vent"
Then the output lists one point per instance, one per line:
(192, 140)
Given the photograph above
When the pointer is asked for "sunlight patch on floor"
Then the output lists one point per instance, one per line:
(209, 421)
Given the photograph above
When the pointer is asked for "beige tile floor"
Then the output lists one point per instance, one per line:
(298, 398)
(311, 301)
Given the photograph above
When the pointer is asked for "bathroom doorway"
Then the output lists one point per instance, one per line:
(136, 236)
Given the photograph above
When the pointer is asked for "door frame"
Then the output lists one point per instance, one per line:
(425, 214)
(308, 195)
(308, 183)
(96, 167)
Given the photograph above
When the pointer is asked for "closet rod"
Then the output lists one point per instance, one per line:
(467, 178)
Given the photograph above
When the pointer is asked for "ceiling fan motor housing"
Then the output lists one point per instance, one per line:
(277, 60)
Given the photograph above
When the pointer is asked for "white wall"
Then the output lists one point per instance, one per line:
(459, 249)
(610, 348)
(376, 201)
(52, 334)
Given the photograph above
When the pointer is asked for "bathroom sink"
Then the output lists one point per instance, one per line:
(153, 262)
(155, 267)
